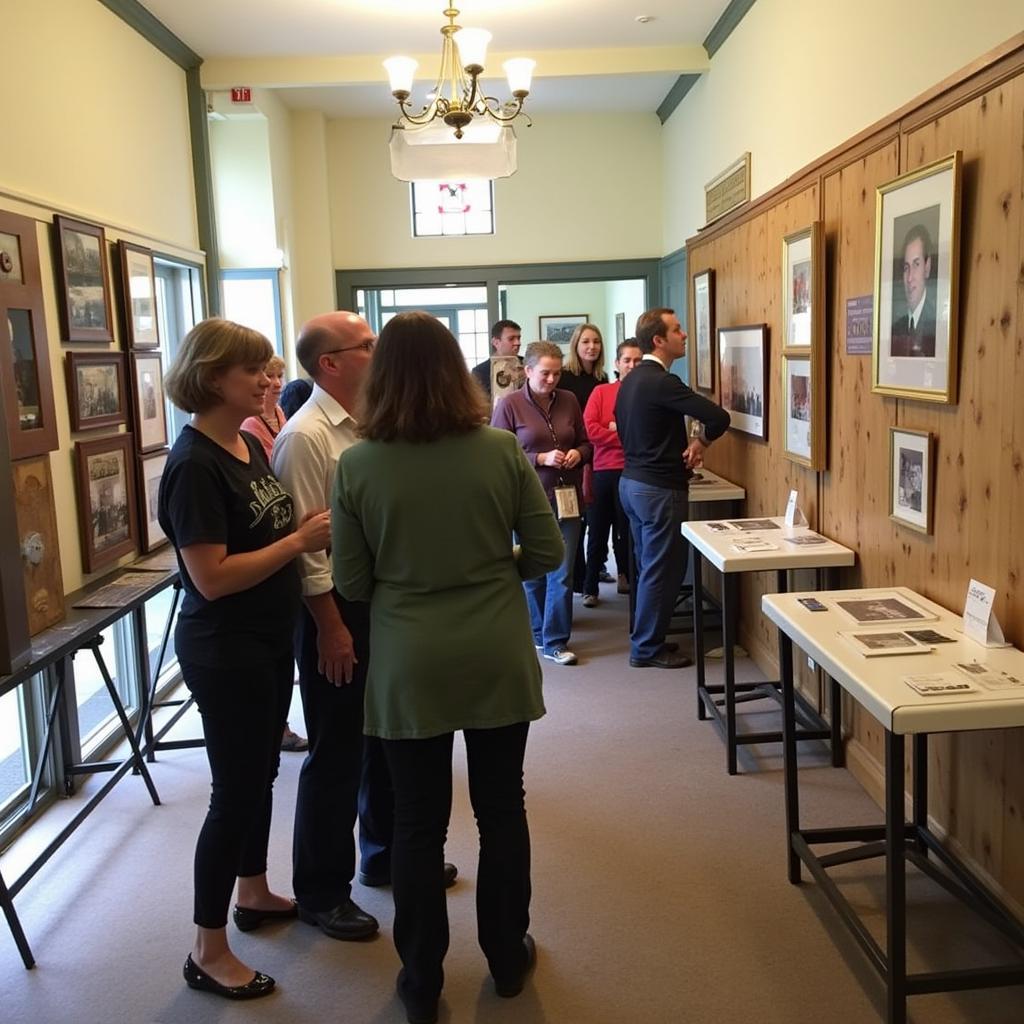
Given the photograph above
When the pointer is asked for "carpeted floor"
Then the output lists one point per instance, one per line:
(660, 894)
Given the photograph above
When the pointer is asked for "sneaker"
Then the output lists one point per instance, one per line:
(623, 584)
(590, 600)
(293, 741)
(560, 656)
(605, 577)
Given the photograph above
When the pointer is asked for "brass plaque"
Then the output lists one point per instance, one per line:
(37, 539)
(728, 190)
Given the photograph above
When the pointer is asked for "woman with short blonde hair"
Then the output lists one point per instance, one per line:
(268, 424)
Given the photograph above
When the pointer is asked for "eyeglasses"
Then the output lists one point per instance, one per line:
(365, 346)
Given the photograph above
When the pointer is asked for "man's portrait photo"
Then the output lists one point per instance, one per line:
(914, 285)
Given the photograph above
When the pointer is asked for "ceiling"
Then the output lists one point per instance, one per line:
(326, 54)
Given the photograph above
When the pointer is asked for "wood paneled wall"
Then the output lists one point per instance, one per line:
(976, 780)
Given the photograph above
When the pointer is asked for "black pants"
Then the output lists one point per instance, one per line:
(243, 712)
(421, 771)
(603, 515)
(344, 776)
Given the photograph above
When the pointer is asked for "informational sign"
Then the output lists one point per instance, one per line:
(241, 94)
(794, 517)
(728, 190)
(980, 622)
(859, 322)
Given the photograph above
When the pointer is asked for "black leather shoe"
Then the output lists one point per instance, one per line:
(663, 659)
(345, 921)
(247, 919)
(671, 646)
(451, 873)
(197, 978)
(417, 1011)
(508, 988)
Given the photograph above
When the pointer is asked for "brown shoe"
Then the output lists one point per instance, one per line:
(292, 741)
(623, 584)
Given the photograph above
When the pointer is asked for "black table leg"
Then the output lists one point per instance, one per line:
(698, 631)
(919, 746)
(7, 902)
(835, 702)
(792, 793)
(895, 883)
(729, 596)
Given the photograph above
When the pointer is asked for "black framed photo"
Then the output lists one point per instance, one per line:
(96, 392)
(83, 292)
(558, 328)
(139, 292)
(743, 377)
(911, 478)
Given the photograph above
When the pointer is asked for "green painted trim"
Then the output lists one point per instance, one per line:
(202, 173)
(132, 13)
(731, 17)
(683, 84)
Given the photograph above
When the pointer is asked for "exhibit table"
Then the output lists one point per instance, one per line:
(879, 684)
(792, 547)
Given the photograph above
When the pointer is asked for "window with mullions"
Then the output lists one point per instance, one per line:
(451, 208)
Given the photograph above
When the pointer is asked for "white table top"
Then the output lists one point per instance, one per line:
(719, 489)
(718, 548)
(877, 683)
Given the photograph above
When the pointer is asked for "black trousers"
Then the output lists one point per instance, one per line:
(243, 712)
(603, 515)
(421, 771)
(344, 776)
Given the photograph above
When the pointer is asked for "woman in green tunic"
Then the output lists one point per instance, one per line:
(425, 512)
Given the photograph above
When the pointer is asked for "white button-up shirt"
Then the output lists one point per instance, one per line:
(304, 459)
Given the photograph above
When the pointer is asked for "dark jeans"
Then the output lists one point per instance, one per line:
(656, 515)
(603, 515)
(422, 774)
(243, 712)
(344, 776)
(549, 598)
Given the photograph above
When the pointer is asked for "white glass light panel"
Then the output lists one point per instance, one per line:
(453, 208)
(250, 301)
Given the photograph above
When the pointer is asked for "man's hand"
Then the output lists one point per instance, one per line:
(693, 457)
(335, 653)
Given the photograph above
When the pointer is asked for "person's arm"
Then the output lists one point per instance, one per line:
(504, 418)
(686, 402)
(597, 419)
(541, 547)
(350, 552)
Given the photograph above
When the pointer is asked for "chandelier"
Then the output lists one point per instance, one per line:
(457, 98)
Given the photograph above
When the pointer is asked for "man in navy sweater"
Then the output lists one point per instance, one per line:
(650, 419)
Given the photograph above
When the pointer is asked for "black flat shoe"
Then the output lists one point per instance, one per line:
(247, 920)
(663, 659)
(509, 988)
(347, 921)
(197, 978)
(416, 1011)
(451, 873)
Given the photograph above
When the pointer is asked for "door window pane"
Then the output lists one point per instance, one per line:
(254, 300)
(14, 761)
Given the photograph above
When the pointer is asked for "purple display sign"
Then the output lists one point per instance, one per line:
(859, 317)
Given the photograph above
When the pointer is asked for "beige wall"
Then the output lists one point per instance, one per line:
(95, 124)
(576, 196)
(798, 77)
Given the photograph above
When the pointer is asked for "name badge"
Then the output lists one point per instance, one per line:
(566, 503)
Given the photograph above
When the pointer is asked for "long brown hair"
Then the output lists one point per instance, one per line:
(418, 388)
(574, 364)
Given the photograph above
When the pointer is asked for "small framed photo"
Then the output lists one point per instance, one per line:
(704, 330)
(917, 270)
(743, 377)
(558, 329)
(507, 375)
(803, 410)
(911, 478)
(83, 292)
(151, 469)
(149, 410)
(620, 328)
(139, 292)
(803, 304)
(883, 609)
(96, 392)
(106, 500)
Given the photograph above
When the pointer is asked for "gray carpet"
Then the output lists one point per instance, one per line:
(659, 888)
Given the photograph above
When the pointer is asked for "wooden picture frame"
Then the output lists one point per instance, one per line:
(803, 411)
(149, 407)
(620, 328)
(26, 383)
(138, 281)
(703, 331)
(150, 469)
(917, 274)
(83, 281)
(558, 328)
(36, 512)
(743, 377)
(107, 510)
(96, 390)
(912, 478)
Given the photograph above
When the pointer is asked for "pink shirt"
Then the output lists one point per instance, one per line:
(597, 418)
(259, 429)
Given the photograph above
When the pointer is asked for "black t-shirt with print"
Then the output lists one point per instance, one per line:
(208, 496)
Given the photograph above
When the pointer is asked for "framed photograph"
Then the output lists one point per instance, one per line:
(106, 500)
(911, 478)
(917, 270)
(743, 377)
(803, 412)
(507, 375)
(882, 609)
(96, 394)
(149, 410)
(558, 329)
(139, 292)
(620, 328)
(704, 330)
(803, 291)
(151, 469)
(83, 283)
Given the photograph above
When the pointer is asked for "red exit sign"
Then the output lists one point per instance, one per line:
(241, 94)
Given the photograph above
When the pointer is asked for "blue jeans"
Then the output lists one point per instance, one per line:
(656, 515)
(549, 598)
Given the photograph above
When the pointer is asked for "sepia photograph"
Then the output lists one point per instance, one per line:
(507, 375)
(139, 292)
(149, 407)
(151, 468)
(96, 395)
(743, 377)
(10, 258)
(911, 478)
(703, 329)
(106, 500)
(84, 285)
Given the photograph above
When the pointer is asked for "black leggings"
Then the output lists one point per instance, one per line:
(243, 712)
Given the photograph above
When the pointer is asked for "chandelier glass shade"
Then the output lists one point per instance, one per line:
(457, 98)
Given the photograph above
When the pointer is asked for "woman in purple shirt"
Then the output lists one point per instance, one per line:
(549, 426)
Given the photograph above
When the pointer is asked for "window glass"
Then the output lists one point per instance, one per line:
(157, 609)
(424, 298)
(252, 298)
(96, 715)
(452, 208)
(14, 760)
